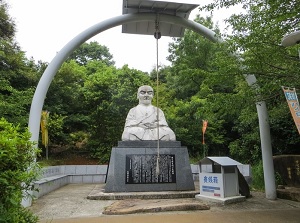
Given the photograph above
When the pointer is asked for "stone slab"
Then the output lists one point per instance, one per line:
(134, 206)
(289, 193)
(116, 178)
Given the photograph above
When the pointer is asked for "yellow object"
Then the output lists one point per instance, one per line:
(44, 128)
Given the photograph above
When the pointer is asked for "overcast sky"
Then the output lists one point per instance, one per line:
(46, 26)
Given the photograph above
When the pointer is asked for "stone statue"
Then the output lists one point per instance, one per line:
(145, 121)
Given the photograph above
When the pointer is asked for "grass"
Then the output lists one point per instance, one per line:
(50, 162)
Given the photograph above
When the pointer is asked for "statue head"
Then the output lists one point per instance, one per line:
(145, 94)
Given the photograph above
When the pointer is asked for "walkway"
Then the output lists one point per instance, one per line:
(69, 204)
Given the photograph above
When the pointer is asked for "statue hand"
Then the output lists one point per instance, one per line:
(150, 125)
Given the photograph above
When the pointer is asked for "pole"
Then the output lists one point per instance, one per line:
(265, 140)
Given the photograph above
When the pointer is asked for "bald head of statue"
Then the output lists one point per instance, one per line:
(145, 94)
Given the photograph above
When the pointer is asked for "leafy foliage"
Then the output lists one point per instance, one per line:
(109, 94)
(18, 170)
(7, 25)
(65, 102)
(201, 89)
(258, 176)
(92, 51)
(257, 32)
(16, 74)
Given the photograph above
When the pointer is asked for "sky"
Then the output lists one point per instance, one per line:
(44, 27)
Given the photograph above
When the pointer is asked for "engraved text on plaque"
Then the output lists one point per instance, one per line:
(141, 169)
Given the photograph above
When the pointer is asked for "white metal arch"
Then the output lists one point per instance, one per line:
(62, 55)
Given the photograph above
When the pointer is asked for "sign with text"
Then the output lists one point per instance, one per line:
(292, 100)
(211, 184)
(141, 169)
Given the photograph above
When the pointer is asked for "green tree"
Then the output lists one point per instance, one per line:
(17, 74)
(256, 34)
(18, 170)
(65, 102)
(7, 25)
(201, 89)
(109, 94)
(92, 51)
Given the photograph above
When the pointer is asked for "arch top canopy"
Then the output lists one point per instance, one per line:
(179, 8)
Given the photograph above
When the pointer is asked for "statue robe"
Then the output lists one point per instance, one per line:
(141, 124)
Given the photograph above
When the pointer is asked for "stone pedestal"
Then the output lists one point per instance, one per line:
(133, 167)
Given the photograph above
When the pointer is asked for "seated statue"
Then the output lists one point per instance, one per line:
(145, 121)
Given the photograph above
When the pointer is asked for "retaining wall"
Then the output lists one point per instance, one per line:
(54, 177)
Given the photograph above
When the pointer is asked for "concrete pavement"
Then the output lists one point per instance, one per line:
(70, 204)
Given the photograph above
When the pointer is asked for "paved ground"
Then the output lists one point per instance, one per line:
(70, 204)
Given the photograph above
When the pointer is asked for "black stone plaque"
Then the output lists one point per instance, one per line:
(141, 169)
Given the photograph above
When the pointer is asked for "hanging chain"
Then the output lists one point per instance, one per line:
(157, 36)
(157, 33)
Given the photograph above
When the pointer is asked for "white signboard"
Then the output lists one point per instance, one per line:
(211, 184)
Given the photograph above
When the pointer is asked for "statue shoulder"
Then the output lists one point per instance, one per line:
(132, 109)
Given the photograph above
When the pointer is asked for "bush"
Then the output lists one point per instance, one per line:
(258, 177)
(18, 170)
(100, 151)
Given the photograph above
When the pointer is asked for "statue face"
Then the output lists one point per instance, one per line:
(145, 95)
